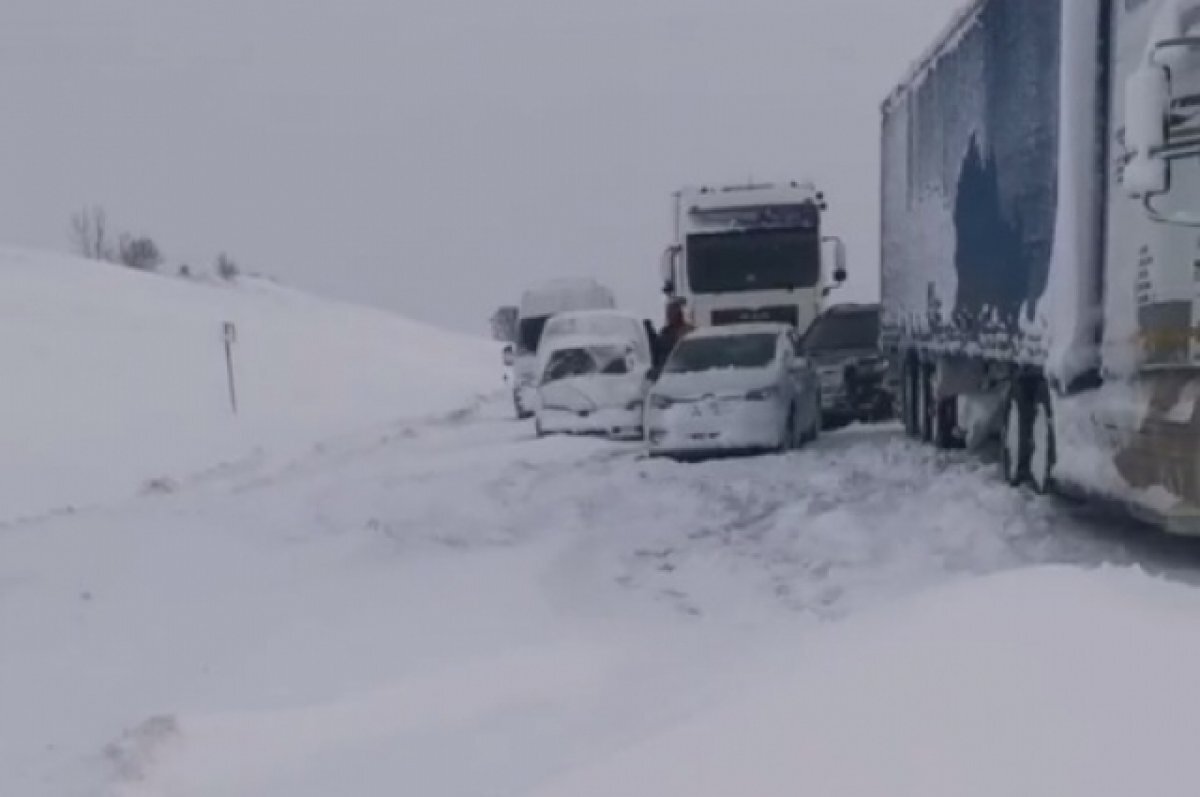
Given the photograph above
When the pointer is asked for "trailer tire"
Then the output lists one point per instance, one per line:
(945, 424)
(1043, 451)
(1016, 435)
(926, 409)
(910, 378)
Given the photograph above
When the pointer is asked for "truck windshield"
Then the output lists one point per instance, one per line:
(759, 260)
(838, 331)
(529, 333)
(727, 351)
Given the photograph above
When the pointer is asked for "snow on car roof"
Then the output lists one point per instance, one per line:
(733, 330)
(597, 313)
(586, 341)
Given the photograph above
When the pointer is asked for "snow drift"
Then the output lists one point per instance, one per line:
(1047, 682)
(115, 379)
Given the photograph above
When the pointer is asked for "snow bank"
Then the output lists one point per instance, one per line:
(1041, 682)
(115, 379)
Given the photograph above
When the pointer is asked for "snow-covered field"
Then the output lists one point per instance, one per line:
(431, 601)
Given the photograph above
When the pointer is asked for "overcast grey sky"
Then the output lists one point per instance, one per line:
(434, 156)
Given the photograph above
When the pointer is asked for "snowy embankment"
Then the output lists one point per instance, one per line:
(115, 380)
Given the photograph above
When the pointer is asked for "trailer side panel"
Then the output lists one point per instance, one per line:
(970, 185)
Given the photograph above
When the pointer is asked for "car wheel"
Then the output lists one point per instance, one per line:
(814, 423)
(788, 442)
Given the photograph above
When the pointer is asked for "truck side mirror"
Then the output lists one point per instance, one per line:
(839, 258)
(1147, 97)
(670, 260)
(510, 356)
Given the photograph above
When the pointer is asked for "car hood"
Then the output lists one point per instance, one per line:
(593, 392)
(725, 381)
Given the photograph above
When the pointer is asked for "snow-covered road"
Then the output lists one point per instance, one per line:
(457, 608)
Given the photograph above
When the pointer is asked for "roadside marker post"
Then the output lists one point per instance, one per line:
(230, 334)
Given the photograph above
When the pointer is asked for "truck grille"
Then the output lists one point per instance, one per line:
(789, 314)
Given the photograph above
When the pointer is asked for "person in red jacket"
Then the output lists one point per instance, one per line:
(675, 330)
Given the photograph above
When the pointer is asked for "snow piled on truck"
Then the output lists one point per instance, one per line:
(115, 381)
(1040, 683)
(1068, 313)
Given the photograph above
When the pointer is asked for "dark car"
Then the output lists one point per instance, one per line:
(856, 383)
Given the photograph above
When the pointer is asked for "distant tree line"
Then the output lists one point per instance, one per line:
(92, 238)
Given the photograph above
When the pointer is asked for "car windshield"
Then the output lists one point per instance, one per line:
(843, 331)
(753, 261)
(586, 361)
(725, 351)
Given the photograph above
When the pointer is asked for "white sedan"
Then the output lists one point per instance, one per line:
(737, 388)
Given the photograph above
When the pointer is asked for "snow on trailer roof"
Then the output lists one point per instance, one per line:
(947, 39)
(565, 295)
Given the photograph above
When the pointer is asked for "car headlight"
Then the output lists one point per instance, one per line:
(661, 402)
(763, 394)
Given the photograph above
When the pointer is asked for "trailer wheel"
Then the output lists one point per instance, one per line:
(1016, 436)
(926, 411)
(945, 424)
(1043, 449)
(910, 379)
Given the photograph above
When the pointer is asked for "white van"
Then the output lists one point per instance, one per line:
(538, 306)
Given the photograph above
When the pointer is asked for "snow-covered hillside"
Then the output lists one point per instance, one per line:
(115, 380)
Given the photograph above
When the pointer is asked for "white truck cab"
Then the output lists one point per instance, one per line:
(751, 253)
(538, 306)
